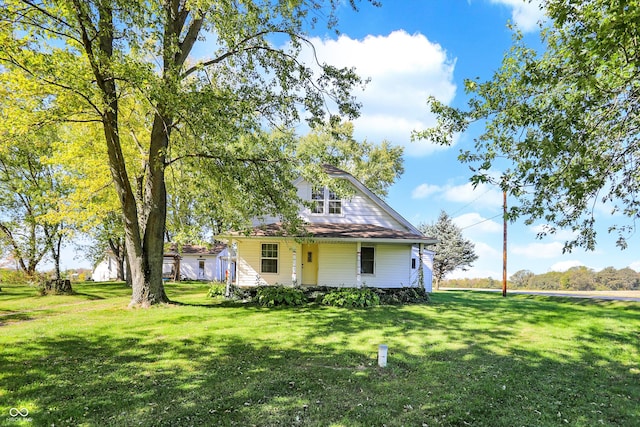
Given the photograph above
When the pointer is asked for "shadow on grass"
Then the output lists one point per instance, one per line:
(317, 366)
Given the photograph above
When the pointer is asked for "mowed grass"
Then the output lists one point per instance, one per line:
(467, 358)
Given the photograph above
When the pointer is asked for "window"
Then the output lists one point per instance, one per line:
(201, 269)
(317, 196)
(325, 201)
(413, 263)
(335, 204)
(269, 258)
(367, 260)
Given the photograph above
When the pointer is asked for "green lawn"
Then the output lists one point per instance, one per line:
(467, 358)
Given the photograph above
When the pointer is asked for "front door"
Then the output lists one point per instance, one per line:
(310, 265)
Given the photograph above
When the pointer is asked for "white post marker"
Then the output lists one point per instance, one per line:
(382, 355)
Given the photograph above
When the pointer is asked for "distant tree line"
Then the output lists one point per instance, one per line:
(575, 279)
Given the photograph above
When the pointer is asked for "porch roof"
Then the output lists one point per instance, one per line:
(340, 232)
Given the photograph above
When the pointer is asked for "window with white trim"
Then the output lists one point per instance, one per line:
(269, 258)
(317, 197)
(325, 201)
(367, 260)
(335, 204)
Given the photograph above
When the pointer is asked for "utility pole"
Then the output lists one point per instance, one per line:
(504, 244)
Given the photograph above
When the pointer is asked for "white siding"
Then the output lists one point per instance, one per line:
(337, 264)
(105, 270)
(359, 209)
(392, 267)
(190, 267)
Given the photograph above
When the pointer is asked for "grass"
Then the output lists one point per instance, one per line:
(467, 358)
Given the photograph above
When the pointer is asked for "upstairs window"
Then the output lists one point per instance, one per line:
(325, 201)
(335, 204)
(317, 197)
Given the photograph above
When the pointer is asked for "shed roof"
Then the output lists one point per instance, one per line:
(174, 249)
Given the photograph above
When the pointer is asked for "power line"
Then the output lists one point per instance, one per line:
(478, 223)
(471, 202)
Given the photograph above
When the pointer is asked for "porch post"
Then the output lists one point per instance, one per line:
(358, 265)
(227, 274)
(294, 275)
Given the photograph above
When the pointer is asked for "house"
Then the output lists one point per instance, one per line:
(353, 242)
(106, 270)
(192, 262)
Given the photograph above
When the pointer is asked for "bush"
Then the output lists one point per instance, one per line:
(351, 297)
(216, 289)
(17, 277)
(403, 296)
(280, 295)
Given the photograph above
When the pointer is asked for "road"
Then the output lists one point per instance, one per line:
(602, 295)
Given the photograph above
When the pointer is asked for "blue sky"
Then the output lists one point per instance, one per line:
(415, 48)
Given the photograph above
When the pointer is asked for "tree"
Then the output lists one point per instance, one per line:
(452, 251)
(376, 166)
(522, 278)
(99, 58)
(31, 227)
(562, 125)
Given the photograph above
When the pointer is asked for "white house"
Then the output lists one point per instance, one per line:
(198, 262)
(354, 242)
(106, 270)
(191, 262)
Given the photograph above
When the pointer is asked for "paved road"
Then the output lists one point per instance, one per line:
(611, 297)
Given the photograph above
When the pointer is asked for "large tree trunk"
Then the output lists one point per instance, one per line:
(143, 234)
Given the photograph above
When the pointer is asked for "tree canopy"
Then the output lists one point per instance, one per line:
(113, 63)
(377, 166)
(452, 251)
(561, 125)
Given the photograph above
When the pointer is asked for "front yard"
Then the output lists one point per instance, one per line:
(466, 358)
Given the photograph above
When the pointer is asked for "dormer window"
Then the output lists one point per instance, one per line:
(325, 201)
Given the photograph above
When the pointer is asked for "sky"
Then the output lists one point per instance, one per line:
(411, 49)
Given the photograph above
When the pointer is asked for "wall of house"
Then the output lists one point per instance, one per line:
(359, 209)
(106, 270)
(427, 268)
(215, 267)
(248, 263)
(392, 268)
(337, 264)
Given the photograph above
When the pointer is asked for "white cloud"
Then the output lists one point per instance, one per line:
(424, 190)
(481, 195)
(565, 265)
(559, 235)
(538, 250)
(404, 69)
(524, 13)
(635, 266)
(483, 266)
(476, 222)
